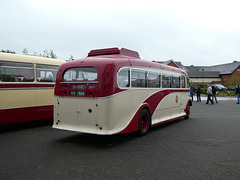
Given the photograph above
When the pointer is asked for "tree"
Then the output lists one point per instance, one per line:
(48, 54)
(36, 54)
(52, 55)
(8, 51)
(25, 51)
(71, 58)
(234, 80)
(45, 53)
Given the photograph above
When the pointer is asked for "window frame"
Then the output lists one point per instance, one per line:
(77, 74)
(128, 78)
(17, 76)
(53, 69)
(140, 82)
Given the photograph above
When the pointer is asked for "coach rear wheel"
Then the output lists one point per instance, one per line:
(187, 110)
(144, 122)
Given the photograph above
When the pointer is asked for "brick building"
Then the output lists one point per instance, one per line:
(227, 74)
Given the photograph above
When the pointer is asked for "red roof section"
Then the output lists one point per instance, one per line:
(110, 51)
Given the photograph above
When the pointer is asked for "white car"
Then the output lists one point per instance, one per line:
(219, 87)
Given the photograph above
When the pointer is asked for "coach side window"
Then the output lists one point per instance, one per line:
(166, 80)
(153, 80)
(183, 82)
(138, 78)
(175, 81)
(123, 78)
(188, 83)
(16, 72)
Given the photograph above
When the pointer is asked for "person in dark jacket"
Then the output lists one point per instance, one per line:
(214, 92)
(198, 94)
(238, 93)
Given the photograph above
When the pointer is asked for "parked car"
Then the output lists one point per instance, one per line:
(233, 88)
(219, 87)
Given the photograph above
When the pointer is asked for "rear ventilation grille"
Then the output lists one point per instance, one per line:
(110, 51)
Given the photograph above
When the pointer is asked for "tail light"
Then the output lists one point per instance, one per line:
(77, 89)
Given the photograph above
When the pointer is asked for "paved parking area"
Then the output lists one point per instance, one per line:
(207, 146)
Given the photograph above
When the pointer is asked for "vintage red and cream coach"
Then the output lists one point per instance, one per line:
(113, 91)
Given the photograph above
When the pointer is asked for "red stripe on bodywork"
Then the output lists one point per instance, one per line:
(151, 103)
(31, 85)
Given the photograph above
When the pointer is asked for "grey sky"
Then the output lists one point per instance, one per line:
(202, 32)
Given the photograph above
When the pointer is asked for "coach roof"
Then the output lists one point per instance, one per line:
(123, 57)
(110, 51)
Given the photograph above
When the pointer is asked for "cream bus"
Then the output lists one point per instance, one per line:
(26, 87)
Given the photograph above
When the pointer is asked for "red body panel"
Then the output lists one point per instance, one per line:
(107, 67)
(151, 103)
(24, 114)
(25, 85)
(17, 115)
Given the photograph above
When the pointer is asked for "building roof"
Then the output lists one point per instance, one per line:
(203, 74)
(177, 63)
(212, 71)
(224, 69)
(206, 71)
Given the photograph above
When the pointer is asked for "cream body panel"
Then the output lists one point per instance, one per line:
(72, 113)
(171, 106)
(25, 98)
(30, 59)
(109, 115)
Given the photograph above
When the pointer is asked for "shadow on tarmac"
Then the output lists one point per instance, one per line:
(25, 125)
(97, 141)
(110, 141)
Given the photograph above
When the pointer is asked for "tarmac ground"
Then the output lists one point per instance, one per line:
(206, 146)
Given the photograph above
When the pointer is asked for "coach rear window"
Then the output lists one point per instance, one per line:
(80, 74)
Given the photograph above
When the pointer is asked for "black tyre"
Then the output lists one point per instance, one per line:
(187, 110)
(144, 122)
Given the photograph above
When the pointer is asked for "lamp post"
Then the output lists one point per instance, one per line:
(202, 76)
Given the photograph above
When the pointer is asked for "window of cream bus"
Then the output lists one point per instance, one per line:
(46, 73)
(16, 72)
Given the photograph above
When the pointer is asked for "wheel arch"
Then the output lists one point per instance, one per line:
(133, 125)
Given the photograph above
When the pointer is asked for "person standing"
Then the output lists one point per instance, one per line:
(198, 94)
(214, 92)
(238, 93)
(209, 94)
(191, 92)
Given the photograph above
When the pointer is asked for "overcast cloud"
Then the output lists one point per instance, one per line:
(202, 32)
